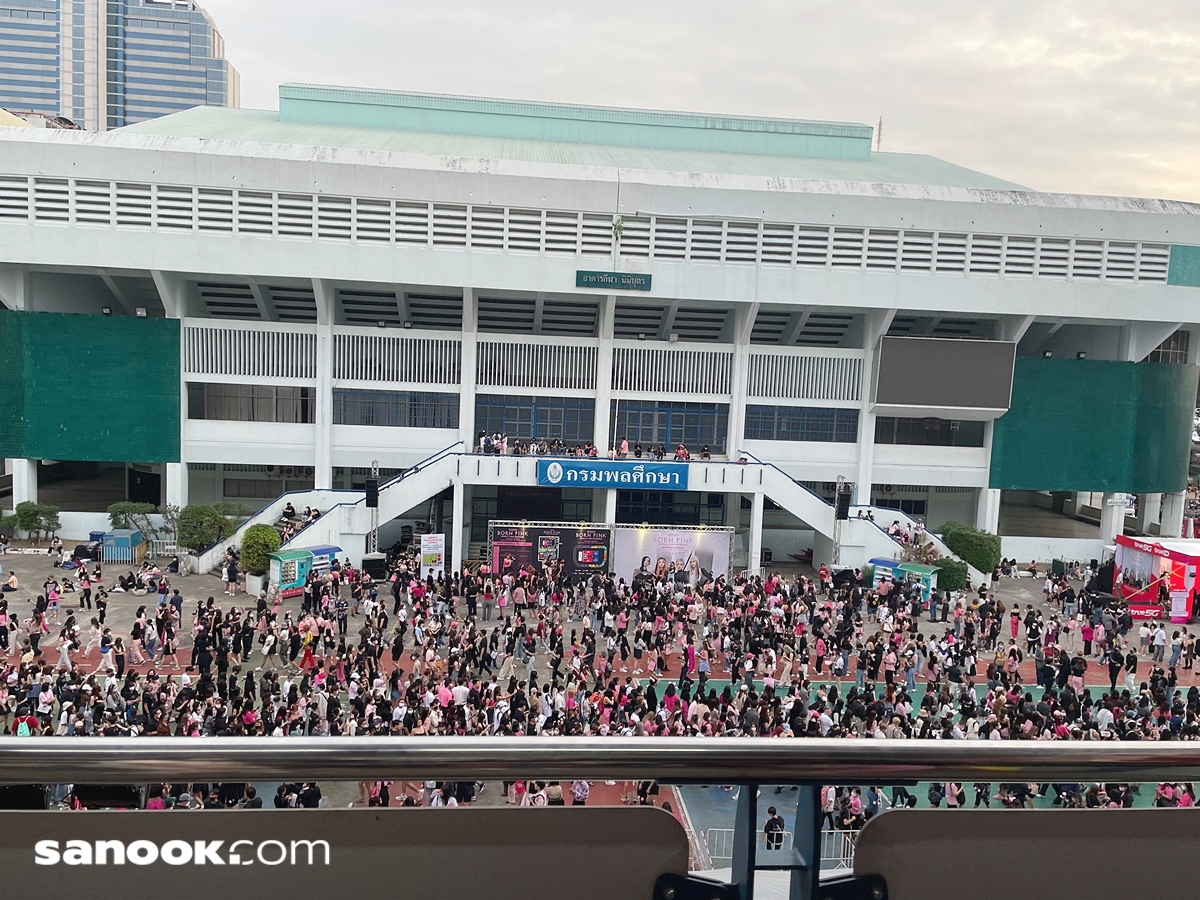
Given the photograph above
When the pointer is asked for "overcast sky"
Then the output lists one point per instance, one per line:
(1093, 96)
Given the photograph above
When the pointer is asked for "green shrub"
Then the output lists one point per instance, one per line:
(36, 519)
(952, 575)
(979, 548)
(258, 543)
(201, 525)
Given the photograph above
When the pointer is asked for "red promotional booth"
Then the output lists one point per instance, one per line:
(1157, 578)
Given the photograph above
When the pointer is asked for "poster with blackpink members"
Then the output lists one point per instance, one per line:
(583, 549)
(701, 553)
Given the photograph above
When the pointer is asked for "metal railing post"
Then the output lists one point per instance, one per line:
(745, 829)
(806, 842)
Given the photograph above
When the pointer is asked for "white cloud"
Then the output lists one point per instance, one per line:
(1096, 96)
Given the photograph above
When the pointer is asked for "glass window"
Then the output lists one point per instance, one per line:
(395, 409)
(798, 423)
(928, 432)
(250, 403)
(1173, 350)
(670, 423)
(566, 419)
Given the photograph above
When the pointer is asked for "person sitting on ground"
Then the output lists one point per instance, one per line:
(11, 584)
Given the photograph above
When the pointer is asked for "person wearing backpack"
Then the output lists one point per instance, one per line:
(25, 725)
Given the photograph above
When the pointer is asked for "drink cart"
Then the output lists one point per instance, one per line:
(290, 568)
(905, 573)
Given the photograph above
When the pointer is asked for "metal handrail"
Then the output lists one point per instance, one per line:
(679, 760)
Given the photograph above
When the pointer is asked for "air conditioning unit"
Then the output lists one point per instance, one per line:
(309, 471)
(270, 470)
(289, 471)
(889, 489)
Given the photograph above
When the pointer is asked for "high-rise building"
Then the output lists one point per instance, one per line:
(108, 63)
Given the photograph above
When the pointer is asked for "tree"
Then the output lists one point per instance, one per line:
(258, 543)
(200, 526)
(127, 514)
(35, 518)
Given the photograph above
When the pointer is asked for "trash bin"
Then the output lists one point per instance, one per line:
(95, 537)
(1058, 568)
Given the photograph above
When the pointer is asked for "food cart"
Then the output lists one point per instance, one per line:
(905, 573)
(1158, 578)
(290, 568)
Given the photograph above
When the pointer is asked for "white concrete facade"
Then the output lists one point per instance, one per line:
(179, 213)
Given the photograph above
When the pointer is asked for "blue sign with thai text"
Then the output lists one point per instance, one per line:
(604, 473)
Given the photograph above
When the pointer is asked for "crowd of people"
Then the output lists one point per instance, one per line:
(536, 650)
(500, 444)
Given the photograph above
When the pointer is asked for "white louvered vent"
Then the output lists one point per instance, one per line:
(635, 237)
(524, 365)
(670, 238)
(255, 212)
(94, 206)
(707, 237)
(51, 200)
(562, 233)
(253, 352)
(133, 205)
(14, 197)
(950, 256)
(986, 252)
(813, 246)
(214, 210)
(412, 223)
(525, 230)
(597, 235)
(883, 245)
(449, 225)
(333, 218)
(373, 220)
(778, 244)
(805, 377)
(671, 371)
(1054, 257)
(847, 248)
(296, 215)
(741, 242)
(377, 357)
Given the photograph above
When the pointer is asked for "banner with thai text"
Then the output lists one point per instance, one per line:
(607, 473)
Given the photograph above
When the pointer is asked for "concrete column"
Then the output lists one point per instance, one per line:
(323, 451)
(875, 326)
(604, 362)
(14, 286)
(1112, 516)
(610, 506)
(470, 355)
(733, 511)
(739, 378)
(987, 510)
(1149, 506)
(177, 484)
(458, 547)
(1171, 523)
(24, 480)
(754, 556)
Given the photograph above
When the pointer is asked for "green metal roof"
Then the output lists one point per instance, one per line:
(265, 126)
(571, 123)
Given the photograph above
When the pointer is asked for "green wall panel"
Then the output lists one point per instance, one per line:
(89, 387)
(1091, 425)
(1163, 441)
(1184, 268)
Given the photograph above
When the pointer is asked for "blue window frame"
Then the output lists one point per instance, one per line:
(395, 409)
(670, 423)
(801, 423)
(567, 419)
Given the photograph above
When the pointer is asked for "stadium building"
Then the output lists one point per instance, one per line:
(227, 304)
